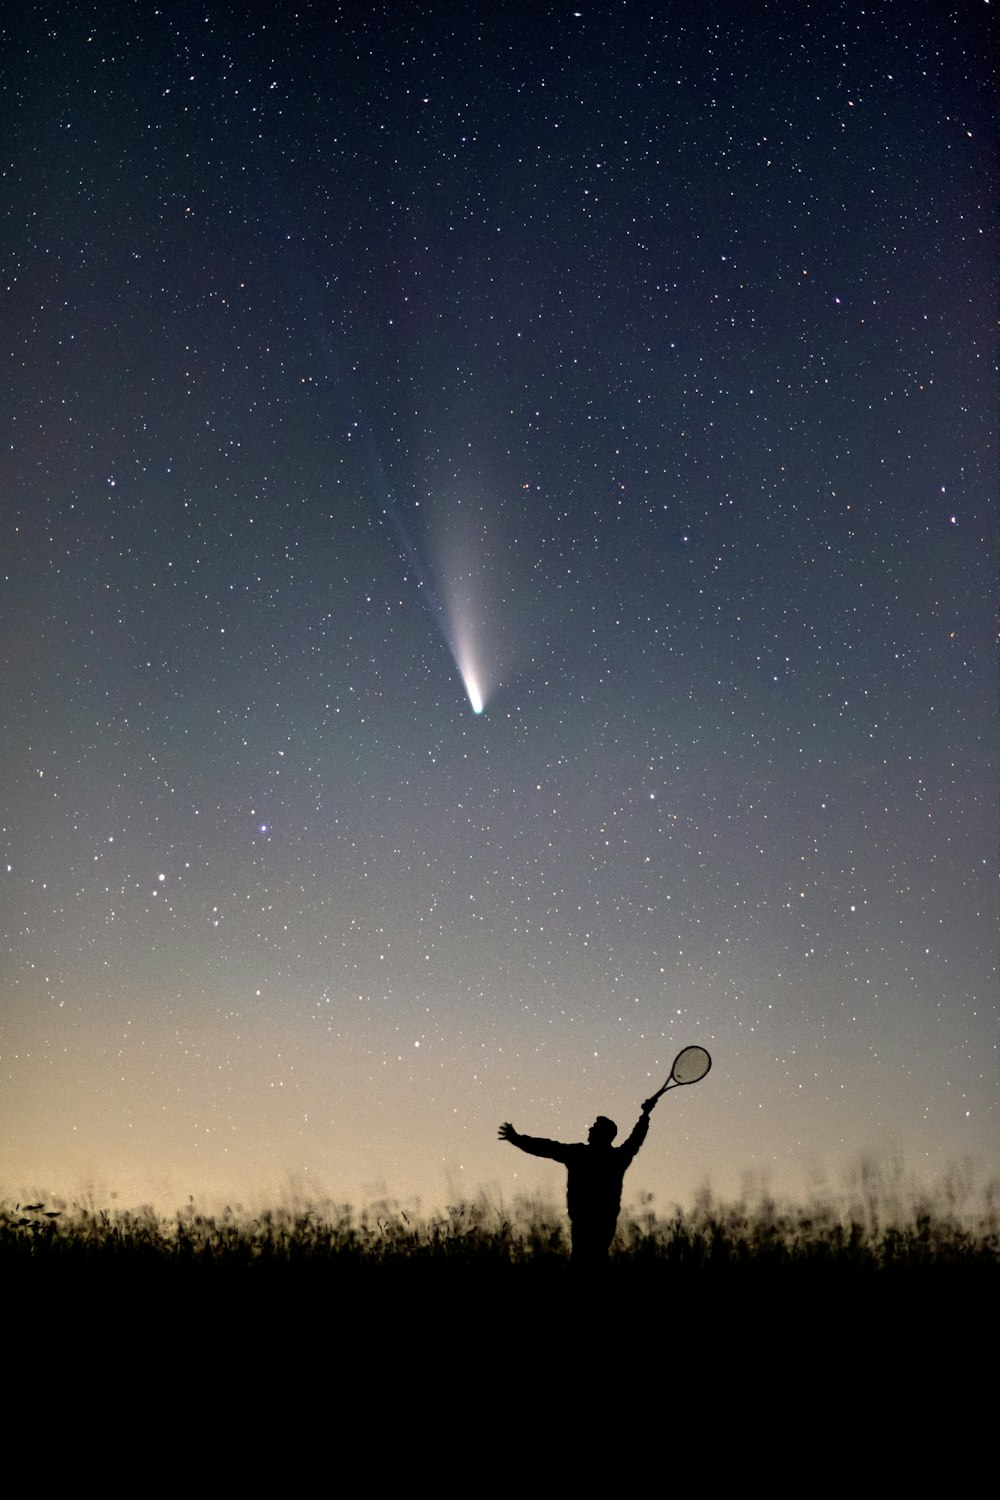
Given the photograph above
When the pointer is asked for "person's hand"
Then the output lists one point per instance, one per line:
(649, 1104)
(507, 1132)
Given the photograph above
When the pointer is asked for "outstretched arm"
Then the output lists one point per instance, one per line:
(533, 1144)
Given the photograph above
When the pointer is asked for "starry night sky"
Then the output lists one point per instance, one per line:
(630, 366)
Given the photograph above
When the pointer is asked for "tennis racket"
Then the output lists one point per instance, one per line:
(690, 1066)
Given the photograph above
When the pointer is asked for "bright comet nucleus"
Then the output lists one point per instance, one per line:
(465, 573)
(462, 652)
(475, 697)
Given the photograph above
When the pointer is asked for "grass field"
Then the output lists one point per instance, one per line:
(747, 1317)
(870, 1229)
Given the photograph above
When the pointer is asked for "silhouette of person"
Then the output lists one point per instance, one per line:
(594, 1179)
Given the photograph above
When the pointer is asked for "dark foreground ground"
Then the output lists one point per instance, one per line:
(703, 1342)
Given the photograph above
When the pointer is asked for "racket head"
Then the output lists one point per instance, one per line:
(690, 1065)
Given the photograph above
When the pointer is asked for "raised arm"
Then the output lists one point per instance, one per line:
(630, 1147)
(534, 1145)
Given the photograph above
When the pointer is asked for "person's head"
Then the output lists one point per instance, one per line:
(602, 1132)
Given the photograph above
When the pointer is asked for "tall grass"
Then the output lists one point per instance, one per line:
(871, 1226)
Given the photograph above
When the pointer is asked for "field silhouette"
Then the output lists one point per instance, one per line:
(873, 1229)
(727, 1313)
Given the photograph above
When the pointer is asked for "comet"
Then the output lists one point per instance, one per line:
(455, 594)
(459, 571)
(472, 688)
(457, 627)
(464, 609)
